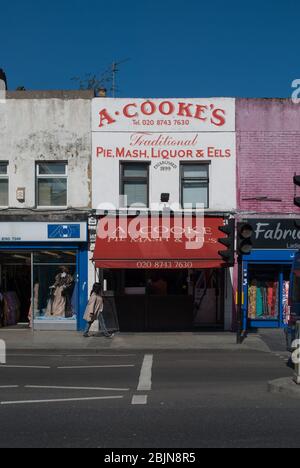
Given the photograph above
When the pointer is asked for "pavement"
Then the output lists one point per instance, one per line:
(26, 340)
(285, 386)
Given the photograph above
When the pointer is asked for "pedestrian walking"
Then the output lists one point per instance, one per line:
(94, 311)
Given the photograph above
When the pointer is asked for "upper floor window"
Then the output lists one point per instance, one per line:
(135, 184)
(3, 184)
(52, 184)
(194, 184)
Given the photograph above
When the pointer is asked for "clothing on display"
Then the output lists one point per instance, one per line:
(285, 301)
(263, 300)
(35, 302)
(59, 304)
(9, 309)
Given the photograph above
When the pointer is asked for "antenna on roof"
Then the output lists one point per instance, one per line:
(115, 70)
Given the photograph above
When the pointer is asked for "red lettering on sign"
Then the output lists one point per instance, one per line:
(185, 110)
(148, 108)
(126, 111)
(105, 117)
(170, 108)
(218, 117)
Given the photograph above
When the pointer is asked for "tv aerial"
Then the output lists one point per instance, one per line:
(115, 70)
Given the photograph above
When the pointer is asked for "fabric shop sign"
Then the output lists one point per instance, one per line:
(275, 234)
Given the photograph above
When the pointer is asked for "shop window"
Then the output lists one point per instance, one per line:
(268, 293)
(4, 185)
(52, 181)
(195, 184)
(55, 285)
(296, 287)
(135, 184)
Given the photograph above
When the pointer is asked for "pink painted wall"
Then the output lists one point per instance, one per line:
(268, 153)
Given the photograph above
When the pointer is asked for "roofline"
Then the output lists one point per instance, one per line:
(59, 94)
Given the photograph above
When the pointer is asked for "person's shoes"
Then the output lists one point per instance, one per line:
(86, 335)
(110, 336)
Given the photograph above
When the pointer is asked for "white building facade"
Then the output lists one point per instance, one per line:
(150, 156)
(45, 198)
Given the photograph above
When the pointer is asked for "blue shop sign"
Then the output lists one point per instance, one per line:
(64, 231)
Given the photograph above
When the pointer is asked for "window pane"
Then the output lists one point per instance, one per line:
(195, 193)
(55, 292)
(3, 192)
(52, 192)
(3, 168)
(195, 171)
(136, 193)
(296, 290)
(52, 168)
(135, 170)
(53, 257)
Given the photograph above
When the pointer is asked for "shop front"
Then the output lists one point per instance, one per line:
(43, 275)
(159, 284)
(266, 273)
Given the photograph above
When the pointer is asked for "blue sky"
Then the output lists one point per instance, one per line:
(190, 48)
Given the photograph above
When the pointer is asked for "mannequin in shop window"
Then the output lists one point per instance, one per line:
(59, 304)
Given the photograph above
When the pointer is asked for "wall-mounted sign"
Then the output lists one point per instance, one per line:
(64, 231)
(43, 232)
(275, 234)
(164, 133)
(164, 115)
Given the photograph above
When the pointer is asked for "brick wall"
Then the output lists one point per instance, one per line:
(268, 154)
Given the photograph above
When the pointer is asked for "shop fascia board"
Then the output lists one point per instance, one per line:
(35, 216)
(147, 213)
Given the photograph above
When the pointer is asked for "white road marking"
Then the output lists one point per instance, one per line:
(70, 355)
(25, 367)
(139, 400)
(9, 386)
(66, 400)
(145, 382)
(78, 388)
(96, 367)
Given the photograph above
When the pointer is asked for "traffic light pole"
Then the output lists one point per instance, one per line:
(239, 338)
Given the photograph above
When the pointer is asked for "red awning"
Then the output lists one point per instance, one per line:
(158, 244)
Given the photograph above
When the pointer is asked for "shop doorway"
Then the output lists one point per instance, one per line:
(39, 288)
(15, 288)
(167, 300)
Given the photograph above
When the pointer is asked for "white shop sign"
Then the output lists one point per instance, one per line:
(43, 232)
(164, 115)
(165, 134)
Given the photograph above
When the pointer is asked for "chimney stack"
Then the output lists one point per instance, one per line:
(3, 85)
(102, 92)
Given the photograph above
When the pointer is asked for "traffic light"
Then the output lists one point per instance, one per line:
(297, 183)
(244, 238)
(229, 230)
